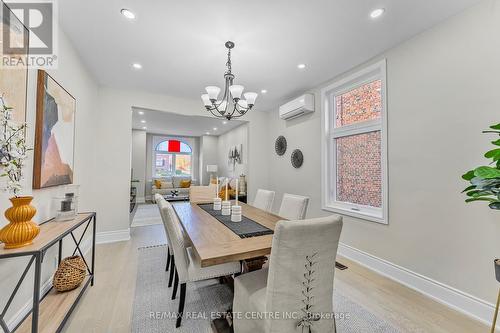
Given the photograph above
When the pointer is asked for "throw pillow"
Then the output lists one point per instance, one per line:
(185, 183)
(157, 183)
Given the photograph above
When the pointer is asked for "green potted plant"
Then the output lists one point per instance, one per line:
(484, 185)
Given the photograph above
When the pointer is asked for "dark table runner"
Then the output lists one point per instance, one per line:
(246, 228)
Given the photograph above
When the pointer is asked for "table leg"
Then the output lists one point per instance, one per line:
(36, 293)
(93, 250)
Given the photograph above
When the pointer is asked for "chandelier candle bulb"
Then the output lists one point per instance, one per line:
(236, 91)
(226, 208)
(212, 92)
(206, 100)
(250, 97)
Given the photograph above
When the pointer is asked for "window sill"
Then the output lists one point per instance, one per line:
(359, 215)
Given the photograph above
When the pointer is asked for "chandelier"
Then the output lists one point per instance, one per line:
(231, 105)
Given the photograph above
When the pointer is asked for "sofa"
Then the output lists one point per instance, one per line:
(166, 185)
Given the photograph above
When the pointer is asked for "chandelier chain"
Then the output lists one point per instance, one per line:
(228, 63)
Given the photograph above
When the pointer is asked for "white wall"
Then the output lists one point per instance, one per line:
(139, 163)
(443, 90)
(236, 137)
(73, 76)
(118, 116)
(208, 156)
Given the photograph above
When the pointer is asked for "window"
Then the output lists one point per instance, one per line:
(172, 157)
(354, 171)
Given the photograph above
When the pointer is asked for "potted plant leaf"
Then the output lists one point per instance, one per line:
(484, 185)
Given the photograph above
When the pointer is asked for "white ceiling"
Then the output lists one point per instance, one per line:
(181, 43)
(167, 123)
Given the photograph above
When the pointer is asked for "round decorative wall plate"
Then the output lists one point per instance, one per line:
(280, 145)
(297, 158)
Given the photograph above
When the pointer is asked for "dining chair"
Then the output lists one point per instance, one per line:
(187, 265)
(298, 285)
(264, 200)
(202, 194)
(161, 202)
(293, 207)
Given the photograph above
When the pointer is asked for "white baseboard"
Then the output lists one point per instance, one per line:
(86, 246)
(140, 200)
(113, 236)
(458, 300)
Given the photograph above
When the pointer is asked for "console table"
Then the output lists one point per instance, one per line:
(51, 310)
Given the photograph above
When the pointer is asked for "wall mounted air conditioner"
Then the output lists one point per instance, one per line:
(298, 107)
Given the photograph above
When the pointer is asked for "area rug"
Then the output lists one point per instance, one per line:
(154, 311)
(146, 214)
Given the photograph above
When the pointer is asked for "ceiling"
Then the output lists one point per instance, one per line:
(180, 44)
(168, 123)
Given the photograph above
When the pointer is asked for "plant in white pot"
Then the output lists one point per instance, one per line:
(13, 153)
(485, 186)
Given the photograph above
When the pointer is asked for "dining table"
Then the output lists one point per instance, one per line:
(215, 243)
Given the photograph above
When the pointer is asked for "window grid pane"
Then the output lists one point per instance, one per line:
(360, 104)
(183, 165)
(164, 165)
(359, 171)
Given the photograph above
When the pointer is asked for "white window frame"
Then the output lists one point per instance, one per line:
(368, 74)
(173, 159)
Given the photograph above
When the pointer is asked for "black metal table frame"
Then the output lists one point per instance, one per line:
(37, 257)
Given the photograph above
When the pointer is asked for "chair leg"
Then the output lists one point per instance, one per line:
(172, 269)
(176, 284)
(181, 305)
(168, 259)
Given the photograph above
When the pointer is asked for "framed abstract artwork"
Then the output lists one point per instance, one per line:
(54, 134)
(14, 73)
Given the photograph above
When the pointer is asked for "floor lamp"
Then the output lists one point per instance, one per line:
(212, 169)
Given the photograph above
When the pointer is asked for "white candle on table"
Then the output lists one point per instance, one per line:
(236, 191)
(217, 195)
(226, 188)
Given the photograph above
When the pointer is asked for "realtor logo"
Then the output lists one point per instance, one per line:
(29, 34)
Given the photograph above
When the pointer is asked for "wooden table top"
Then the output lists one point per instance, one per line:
(48, 232)
(214, 243)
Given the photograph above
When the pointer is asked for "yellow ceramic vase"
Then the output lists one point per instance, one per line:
(21, 230)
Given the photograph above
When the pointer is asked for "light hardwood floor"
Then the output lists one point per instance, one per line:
(107, 307)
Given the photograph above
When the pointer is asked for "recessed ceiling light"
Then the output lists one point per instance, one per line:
(207, 133)
(263, 91)
(144, 128)
(137, 65)
(127, 13)
(377, 13)
(215, 128)
(143, 121)
(224, 122)
(141, 112)
(301, 66)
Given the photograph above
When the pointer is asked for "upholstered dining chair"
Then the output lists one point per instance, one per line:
(293, 207)
(264, 200)
(187, 266)
(202, 194)
(297, 288)
(161, 202)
